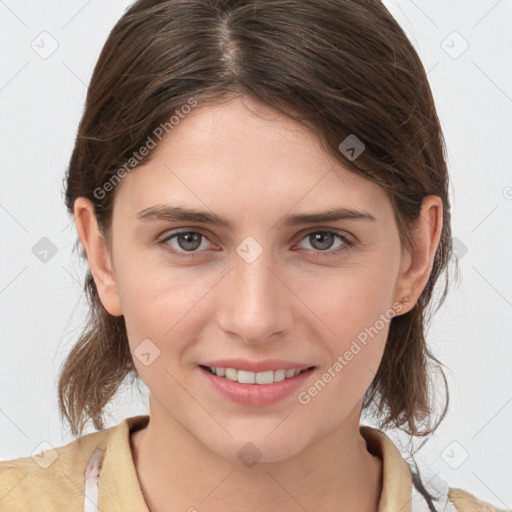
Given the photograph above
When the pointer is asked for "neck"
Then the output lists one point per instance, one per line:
(178, 473)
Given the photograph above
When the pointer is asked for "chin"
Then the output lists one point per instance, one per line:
(255, 446)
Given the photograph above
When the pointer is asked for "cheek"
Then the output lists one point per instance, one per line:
(156, 317)
(162, 304)
(353, 318)
(358, 320)
(352, 299)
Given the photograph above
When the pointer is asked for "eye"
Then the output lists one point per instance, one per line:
(185, 242)
(321, 241)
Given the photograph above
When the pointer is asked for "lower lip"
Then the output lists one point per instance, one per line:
(256, 394)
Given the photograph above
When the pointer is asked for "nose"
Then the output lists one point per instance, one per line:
(255, 303)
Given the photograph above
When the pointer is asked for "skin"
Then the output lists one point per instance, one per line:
(253, 165)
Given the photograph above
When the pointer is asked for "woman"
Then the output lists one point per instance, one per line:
(261, 194)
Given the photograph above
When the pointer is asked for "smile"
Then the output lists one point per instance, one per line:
(247, 377)
(256, 389)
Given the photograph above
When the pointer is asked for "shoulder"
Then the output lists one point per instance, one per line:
(464, 501)
(52, 479)
(430, 492)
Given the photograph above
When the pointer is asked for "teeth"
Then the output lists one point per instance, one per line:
(231, 374)
(245, 377)
(279, 375)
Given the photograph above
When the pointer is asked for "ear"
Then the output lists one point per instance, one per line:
(417, 265)
(98, 255)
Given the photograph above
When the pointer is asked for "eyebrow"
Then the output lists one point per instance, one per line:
(172, 213)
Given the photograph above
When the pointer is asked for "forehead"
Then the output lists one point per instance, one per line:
(246, 159)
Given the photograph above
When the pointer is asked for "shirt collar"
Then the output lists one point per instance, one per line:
(119, 488)
(396, 474)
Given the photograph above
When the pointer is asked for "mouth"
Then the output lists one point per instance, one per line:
(255, 389)
(247, 377)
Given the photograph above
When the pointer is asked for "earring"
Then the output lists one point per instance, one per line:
(404, 300)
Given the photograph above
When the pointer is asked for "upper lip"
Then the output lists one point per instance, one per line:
(257, 366)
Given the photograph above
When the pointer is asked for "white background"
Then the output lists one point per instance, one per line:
(42, 306)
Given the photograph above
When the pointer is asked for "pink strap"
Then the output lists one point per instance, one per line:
(91, 478)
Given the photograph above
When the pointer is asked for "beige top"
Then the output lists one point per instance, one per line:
(57, 479)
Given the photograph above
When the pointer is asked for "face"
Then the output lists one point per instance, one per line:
(310, 294)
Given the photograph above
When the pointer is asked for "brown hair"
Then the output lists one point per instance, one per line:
(339, 67)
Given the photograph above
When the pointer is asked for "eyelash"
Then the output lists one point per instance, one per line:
(347, 244)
